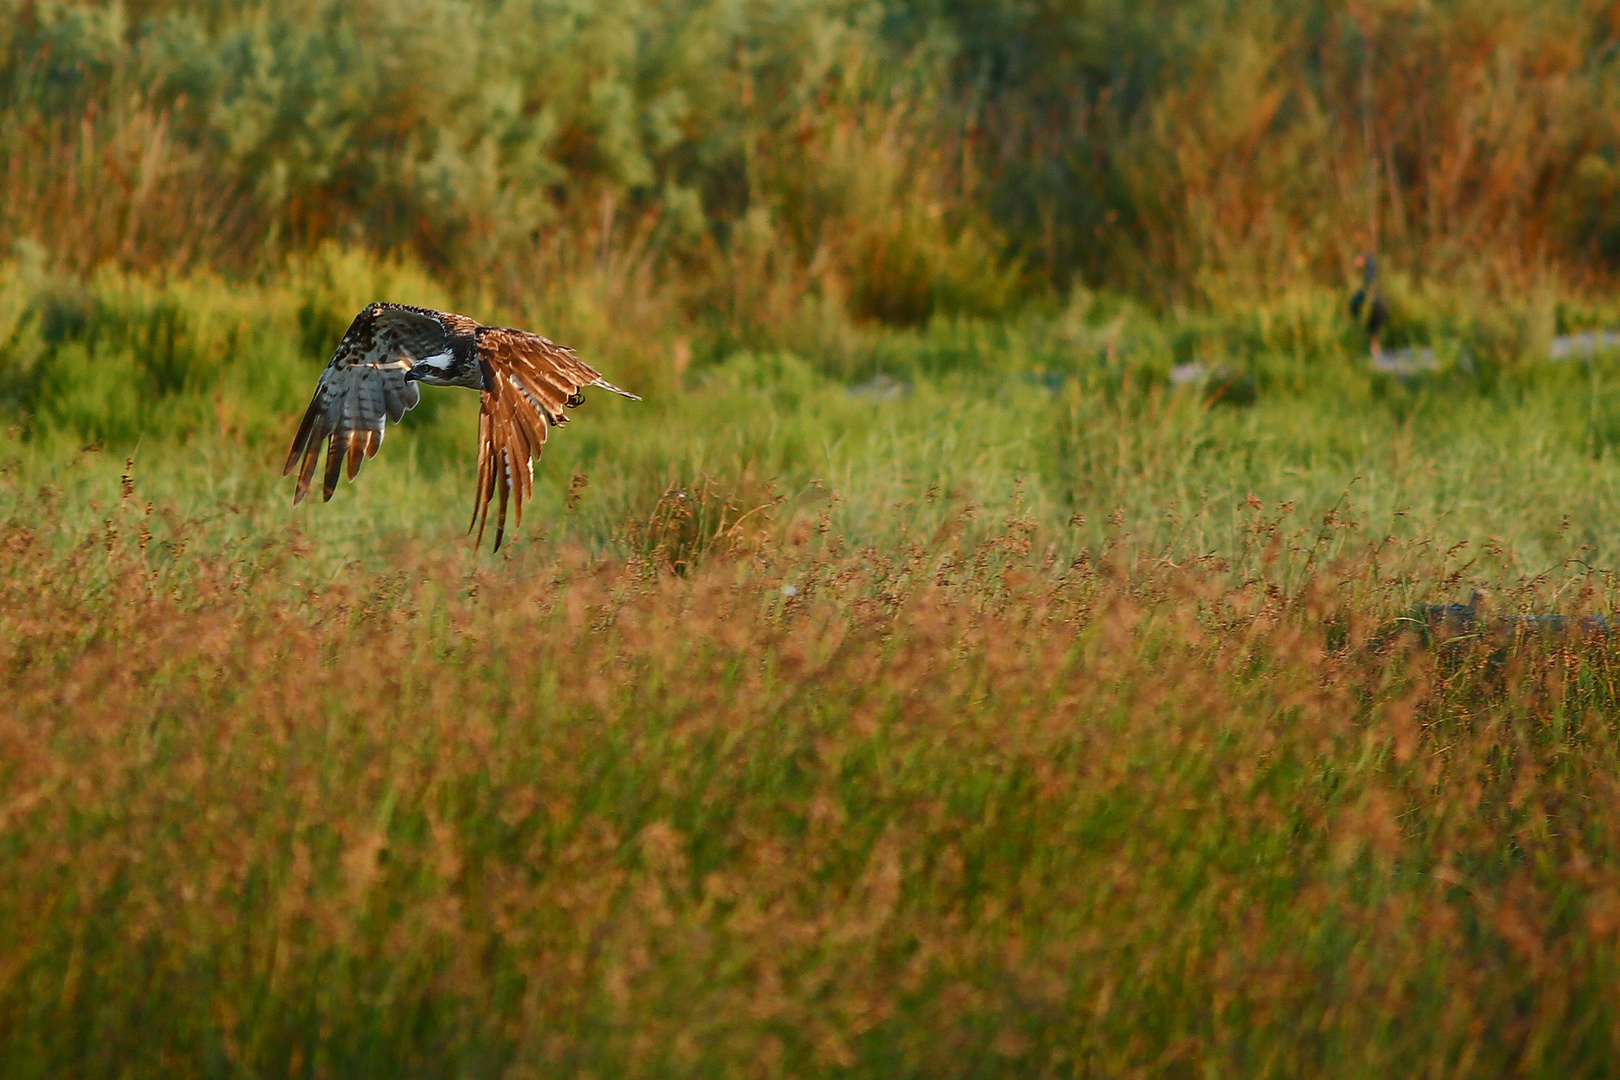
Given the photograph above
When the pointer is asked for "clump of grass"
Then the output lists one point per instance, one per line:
(693, 521)
(957, 807)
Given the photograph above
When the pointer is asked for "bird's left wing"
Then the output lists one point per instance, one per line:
(363, 388)
(528, 383)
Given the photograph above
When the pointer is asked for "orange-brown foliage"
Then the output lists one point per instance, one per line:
(936, 812)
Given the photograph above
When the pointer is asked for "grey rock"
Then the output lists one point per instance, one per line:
(1588, 343)
(1405, 363)
(881, 387)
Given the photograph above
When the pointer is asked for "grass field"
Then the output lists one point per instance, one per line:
(1011, 714)
(918, 682)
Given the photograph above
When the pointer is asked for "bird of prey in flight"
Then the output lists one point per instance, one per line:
(525, 384)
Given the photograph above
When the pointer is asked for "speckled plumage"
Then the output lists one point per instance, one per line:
(525, 382)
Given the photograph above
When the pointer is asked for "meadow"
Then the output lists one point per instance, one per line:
(1010, 714)
(919, 681)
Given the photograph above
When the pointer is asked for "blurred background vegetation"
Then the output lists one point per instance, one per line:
(744, 166)
(667, 185)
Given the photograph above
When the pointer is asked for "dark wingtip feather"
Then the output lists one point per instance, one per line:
(301, 440)
(356, 453)
(478, 510)
(306, 472)
(334, 469)
(504, 484)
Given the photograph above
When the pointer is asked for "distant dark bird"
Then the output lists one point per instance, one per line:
(1367, 307)
(525, 382)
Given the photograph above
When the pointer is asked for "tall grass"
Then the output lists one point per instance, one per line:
(202, 379)
(953, 808)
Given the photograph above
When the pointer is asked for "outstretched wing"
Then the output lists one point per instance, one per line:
(528, 383)
(362, 388)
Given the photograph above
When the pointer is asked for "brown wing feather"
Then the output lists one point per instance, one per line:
(531, 381)
(363, 388)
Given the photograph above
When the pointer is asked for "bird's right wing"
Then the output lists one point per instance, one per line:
(529, 382)
(362, 389)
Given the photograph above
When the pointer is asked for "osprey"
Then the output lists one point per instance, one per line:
(525, 383)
